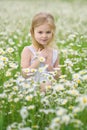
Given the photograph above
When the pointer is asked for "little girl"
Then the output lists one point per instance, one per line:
(41, 58)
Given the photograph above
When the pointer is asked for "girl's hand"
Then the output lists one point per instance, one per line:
(42, 53)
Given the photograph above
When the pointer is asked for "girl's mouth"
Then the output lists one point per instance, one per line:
(44, 40)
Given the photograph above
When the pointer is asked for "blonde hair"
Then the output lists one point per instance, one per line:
(38, 20)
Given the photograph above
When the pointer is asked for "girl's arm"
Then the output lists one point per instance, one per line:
(25, 61)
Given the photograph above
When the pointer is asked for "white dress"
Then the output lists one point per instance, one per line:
(39, 75)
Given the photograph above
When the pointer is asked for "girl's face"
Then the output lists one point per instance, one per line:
(43, 34)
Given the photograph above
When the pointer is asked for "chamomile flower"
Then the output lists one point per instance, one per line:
(24, 112)
(82, 100)
(41, 59)
(13, 65)
(10, 50)
(29, 97)
(3, 58)
(48, 87)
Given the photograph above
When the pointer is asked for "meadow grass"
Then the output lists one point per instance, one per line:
(64, 106)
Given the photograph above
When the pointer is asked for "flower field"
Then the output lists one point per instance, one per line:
(64, 105)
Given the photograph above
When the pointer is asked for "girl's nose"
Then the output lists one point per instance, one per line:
(44, 35)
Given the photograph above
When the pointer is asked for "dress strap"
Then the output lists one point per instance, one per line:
(32, 50)
(55, 55)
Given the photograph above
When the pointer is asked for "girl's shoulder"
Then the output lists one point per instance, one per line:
(27, 47)
(29, 50)
(26, 50)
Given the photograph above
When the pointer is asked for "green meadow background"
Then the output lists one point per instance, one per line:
(64, 106)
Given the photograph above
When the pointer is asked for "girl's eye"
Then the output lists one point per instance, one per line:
(40, 32)
(48, 32)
